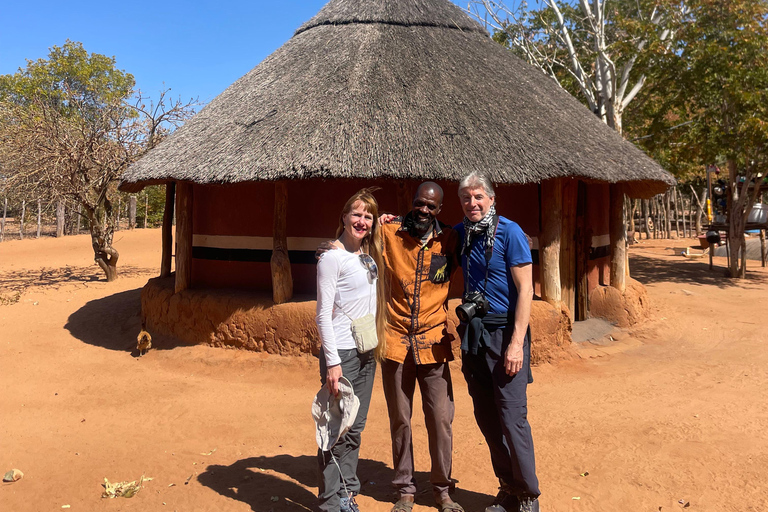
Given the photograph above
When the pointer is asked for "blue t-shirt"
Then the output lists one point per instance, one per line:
(509, 250)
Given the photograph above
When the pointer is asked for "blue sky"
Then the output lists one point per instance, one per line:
(197, 48)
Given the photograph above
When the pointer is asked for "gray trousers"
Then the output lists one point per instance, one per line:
(359, 369)
(437, 401)
(501, 411)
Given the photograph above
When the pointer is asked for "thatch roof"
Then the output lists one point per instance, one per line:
(397, 89)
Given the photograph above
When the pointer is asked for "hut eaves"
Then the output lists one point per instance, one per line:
(403, 89)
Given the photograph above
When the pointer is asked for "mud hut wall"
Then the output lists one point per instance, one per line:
(232, 239)
(597, 220)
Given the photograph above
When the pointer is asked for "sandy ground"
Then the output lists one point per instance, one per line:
(671, 410)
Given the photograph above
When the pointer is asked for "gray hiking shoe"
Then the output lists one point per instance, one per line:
(504, 502)
(529, 504)
(348, 505)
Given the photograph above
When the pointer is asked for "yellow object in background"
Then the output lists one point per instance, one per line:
(709, 210)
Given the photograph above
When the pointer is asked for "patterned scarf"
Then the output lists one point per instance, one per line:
(483, 226)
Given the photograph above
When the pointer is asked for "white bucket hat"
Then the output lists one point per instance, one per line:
(334, 415)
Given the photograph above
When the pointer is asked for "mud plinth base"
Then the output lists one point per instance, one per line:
(624, 310)
(251, 321)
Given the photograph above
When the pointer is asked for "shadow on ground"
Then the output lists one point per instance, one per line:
(113, 322)
(53, 278)
(650, 270)
(253, 481)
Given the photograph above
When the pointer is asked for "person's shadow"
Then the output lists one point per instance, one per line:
(253, 481)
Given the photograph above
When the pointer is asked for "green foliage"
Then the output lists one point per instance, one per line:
(709, 103)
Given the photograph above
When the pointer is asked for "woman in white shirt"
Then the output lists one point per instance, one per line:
(349, 287)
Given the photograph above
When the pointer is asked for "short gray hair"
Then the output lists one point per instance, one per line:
(477, 180)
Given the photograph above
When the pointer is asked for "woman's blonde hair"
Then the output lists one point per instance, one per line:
(372, 246)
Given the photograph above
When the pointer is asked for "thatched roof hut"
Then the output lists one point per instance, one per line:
(395, 89)
(390, 92)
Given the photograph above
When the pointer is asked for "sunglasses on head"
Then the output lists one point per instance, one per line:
(370, 265)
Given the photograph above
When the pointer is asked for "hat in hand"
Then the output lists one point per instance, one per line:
(334, 415)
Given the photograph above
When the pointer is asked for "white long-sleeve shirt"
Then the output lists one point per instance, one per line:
(342, 279)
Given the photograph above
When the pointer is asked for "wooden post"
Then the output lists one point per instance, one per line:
(132, 212)
(549, 240)
(282, 280)
(618, 238)
(183, 236)
(39, 217)
(568, 246)
(2, 225)
(762, 247)
(167, 234)
(60, 218)
(21, 219)
(146, 207)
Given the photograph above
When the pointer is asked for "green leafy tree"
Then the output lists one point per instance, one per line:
(712, 107)
(70, 124)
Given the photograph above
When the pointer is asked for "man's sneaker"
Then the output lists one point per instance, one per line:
(504, 502)
(529, 504)
(349, 505)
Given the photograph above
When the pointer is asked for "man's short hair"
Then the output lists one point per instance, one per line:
(477, 180)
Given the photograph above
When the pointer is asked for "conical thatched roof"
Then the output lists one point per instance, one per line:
(401, 89)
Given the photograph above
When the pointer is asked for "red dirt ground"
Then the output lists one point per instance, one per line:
(671, 410)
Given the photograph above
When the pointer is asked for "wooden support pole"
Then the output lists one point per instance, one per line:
(568, 246)
(762, 247)
(146, 208)
(549, 240)
(60, 218)
(183, 236)
(40, 217)
(167, 234)
(2, 224)
(282, 280)
(21, 220)
(618, 236)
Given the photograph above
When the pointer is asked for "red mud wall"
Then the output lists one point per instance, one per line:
(232, 225)
(249, 320)
(597, 219)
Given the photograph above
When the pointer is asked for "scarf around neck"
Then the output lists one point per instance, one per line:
(483, 226)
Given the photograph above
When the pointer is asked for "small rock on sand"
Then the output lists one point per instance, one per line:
(13, 476)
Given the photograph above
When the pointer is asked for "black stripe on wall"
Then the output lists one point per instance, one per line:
(250, 255)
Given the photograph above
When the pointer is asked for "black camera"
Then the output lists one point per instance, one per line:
(473, 304)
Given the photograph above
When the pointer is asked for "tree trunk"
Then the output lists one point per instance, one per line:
(105, 255)
(60, 218)
(39, 217)
(79, 218)
(132, 212)
(5, 213)
(282, 279)
(184, 236)
(21, 220)
(549, 240)
(618, 236)
(167, 234)
(736, 222)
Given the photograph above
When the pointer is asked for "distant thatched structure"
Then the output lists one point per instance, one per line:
(390, 92)
(395, 89)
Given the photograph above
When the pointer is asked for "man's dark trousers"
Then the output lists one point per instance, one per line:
(501, 411)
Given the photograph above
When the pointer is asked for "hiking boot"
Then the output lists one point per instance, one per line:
(349, 505)
(529, 504)
(504, 502)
